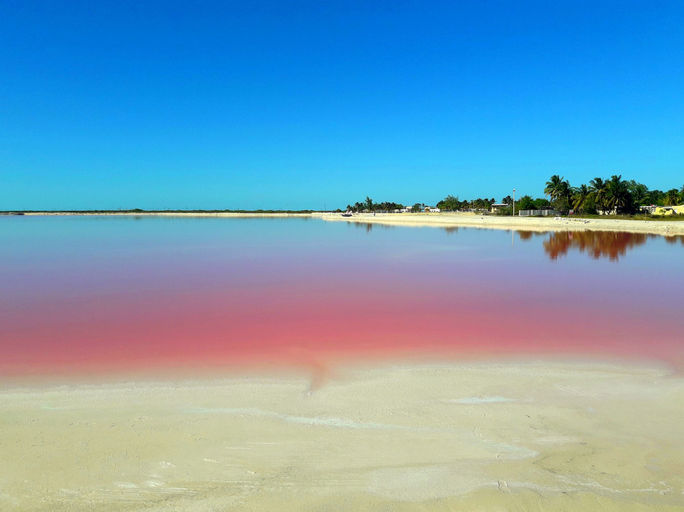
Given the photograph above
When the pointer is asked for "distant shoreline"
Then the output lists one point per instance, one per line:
(163, 213)
(444, 219)
(466, 220)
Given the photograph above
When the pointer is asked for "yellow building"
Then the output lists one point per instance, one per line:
(669, 210)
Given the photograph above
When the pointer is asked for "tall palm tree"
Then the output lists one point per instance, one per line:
(580, 197)
(558, 188)
(618, 197)
(553, 187)
(671, 197)
(639, 192)
(598, 189)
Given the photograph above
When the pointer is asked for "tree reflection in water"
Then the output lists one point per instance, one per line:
(597, 244)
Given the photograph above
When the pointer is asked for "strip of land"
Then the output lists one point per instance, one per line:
(658, 227)
(168, 214)
(543, 436)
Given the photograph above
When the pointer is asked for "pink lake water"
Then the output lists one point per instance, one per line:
(83, 295)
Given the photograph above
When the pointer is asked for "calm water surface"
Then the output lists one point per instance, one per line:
(83, 294)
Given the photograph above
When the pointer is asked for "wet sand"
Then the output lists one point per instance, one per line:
(480, 436)
(656, 227)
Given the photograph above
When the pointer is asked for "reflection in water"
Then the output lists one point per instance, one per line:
(527, 235)
(369, 226)
(672, 239)
(597, 244)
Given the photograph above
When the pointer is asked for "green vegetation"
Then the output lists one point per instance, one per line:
(614, 196)
(636, 216)
(369, 206)
(451, 203)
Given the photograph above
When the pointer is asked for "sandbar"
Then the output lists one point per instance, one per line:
(536, 435)
(442, 219)
(539, 224)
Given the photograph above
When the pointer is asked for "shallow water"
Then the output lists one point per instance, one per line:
(103, 294)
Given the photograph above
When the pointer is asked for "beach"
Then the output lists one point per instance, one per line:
(441, 219)
(539, 224)
(510, 435)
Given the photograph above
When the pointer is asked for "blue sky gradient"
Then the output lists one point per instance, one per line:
(318, 104)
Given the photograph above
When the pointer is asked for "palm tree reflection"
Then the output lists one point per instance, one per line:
(525, 235)
(596, 244)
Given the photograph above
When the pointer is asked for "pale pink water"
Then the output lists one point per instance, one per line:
(98, 294)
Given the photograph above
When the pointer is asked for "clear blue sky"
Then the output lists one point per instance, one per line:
(309, 104)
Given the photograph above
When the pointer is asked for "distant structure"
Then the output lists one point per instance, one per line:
(538, 213)
(499, 206)
(433, 209)
(668, 210)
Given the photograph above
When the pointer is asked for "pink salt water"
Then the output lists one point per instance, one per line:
(85, 295)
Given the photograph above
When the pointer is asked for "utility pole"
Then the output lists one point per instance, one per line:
(513, 202)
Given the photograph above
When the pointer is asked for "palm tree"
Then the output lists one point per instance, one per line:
(671, 197)
(639, 192)
(553, 187)
(618, 197)
(598, 189)
(558, 188)
(580, 197)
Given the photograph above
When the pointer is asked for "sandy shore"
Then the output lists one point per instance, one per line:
(514, 436)
(519, 223)
(438, 220)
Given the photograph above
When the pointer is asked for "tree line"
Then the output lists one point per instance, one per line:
(613, 195)
(369, 206)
